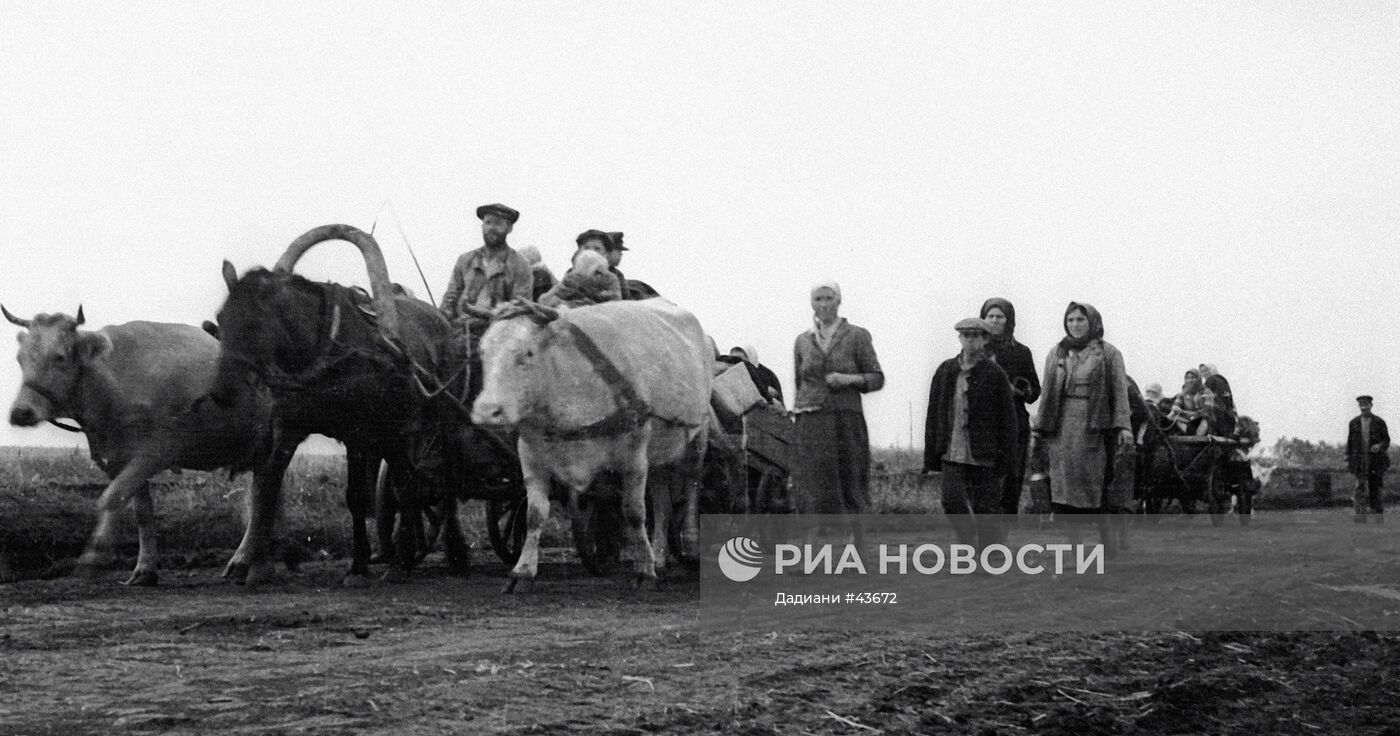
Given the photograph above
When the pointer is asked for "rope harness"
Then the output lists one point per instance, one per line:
(632, 411)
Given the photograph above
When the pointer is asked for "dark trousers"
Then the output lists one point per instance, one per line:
(1368, 493)
(1011, 482)
(972, 500)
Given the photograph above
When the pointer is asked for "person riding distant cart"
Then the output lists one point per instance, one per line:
(1220, 406)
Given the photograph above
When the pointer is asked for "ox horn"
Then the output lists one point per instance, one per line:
(80, 318)
(13, 319)
(380, 288)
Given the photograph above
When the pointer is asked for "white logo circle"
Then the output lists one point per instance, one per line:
(740, 559)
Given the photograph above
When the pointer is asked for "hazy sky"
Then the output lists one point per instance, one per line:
(1222, 180)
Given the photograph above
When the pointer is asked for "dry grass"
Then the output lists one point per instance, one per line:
(47, 509)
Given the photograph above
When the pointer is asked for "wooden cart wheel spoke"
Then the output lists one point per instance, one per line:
(596, 529)
(505, 527)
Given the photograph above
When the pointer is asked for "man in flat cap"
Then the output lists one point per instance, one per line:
(970, 436)
(1368, 442)
(614, 255)
(484, 278)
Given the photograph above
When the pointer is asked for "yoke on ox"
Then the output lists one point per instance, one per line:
(133, 390)
(337, 368)
(621, 386)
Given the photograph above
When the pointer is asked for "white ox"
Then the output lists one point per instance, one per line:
(621, 386)
(132, 390)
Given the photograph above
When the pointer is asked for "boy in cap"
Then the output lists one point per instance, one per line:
(484, 278)
(1368, 441)
(970, 436)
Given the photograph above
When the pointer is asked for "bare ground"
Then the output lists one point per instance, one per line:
(585, 655)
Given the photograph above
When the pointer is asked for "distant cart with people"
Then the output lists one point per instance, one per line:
(1188, 473)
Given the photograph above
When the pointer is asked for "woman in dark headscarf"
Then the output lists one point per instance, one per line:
(1084, 415)
(1016, 361)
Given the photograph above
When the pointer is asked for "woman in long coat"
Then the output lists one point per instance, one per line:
(835, 363)
(1083, 417)
(1015, 359)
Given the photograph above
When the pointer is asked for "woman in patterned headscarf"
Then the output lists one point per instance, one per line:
(835, 363)
(1084, 415)
(1015, 359)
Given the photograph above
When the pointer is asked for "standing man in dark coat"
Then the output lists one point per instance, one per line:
(1368, 441)
(970, 436)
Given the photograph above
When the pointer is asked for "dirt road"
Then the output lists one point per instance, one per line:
(583, 655)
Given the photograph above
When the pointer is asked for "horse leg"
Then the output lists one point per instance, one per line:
(454, 541)
(361, 468)
(386, 510)
(405, 538)
(252, 561)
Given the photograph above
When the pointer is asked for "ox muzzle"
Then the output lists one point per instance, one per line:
(33, 405)
(489, 413)
(24, 416)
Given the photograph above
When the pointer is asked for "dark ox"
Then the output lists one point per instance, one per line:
(133, 391)
(341, 365)
(622, 387)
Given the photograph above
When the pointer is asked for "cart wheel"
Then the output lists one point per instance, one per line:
(423, 543)
(597, 527)
(505, 527)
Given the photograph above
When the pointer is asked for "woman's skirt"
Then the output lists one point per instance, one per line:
(1077, 458)
(833, 471)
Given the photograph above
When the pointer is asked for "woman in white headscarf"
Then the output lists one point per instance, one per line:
(834, 363)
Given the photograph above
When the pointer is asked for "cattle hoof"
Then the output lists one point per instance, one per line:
(645, 583)
(143, 579)
(236, 571)
(518, 585)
